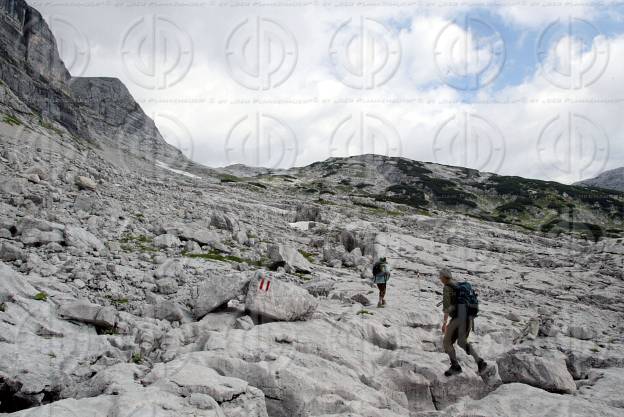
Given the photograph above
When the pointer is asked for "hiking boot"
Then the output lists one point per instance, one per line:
(482, 365)
(453, 370)
(383, 303)
(380, 305)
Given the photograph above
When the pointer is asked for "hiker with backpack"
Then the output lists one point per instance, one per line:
(461, 304)
(381, 275)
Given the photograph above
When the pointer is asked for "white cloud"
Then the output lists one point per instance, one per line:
(313, 102)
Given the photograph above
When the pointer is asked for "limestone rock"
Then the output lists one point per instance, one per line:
(167, 286)
(166, 241)
(277, 300)
(582, 333)
(216, 290)
(80, 238)
(86, 183)
(289, 257)
(89, 313)
(548, 372)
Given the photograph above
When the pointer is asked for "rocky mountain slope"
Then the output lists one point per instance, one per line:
(129, 286)
(390, 184)
(612, 180)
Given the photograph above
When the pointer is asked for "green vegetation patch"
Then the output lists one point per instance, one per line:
(309, 256)
(41, 296)
(137, 243)
(558, 226)
(12, 120)
(216, 255)
(227, 178)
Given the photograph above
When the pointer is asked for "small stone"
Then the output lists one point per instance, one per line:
(86, 183)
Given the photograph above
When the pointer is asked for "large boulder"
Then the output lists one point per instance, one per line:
(513, 400)
(191, 379)
(85, 312)
(216, 290)
(278, 300)
(80, 238)
(166, 241)
(9, 252)
(36, 231)
(547, 371)
(289, 258)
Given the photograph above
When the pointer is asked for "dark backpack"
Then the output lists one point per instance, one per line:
(377, 268)
(466, 295)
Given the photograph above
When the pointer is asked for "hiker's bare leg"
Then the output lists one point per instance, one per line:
(450, 337)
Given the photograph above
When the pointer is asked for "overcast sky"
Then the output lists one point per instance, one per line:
(535, 91)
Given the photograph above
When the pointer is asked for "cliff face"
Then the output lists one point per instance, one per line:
(99, 110)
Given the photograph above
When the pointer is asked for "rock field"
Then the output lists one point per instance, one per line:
(130, 288)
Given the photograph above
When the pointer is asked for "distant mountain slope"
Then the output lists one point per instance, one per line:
(391, 184)
(613, 180)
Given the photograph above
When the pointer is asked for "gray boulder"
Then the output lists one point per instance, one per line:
(224, 222)
(80, 238)
(86, 183)
(289, 257)
(36, 231)
(216, 290)
(548, 371)
(9, 252)
(166, 241)
(278, 300)
(167, 286)
(582, 333)
(85, 312)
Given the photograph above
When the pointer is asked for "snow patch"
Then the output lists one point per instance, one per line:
(177, 171)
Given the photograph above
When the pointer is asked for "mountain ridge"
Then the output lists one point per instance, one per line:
(612, 179)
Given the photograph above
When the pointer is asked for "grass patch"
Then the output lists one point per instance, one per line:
(325, 202)
(215, 255)
(227, 178)
(41, 296)
(3, 307)
(364, 312)
(309, 257)
(258, 184)
(134, 243)
(137, 358)
(12, 120)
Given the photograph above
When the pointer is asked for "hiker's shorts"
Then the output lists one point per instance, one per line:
(381, 279)
(458, 331)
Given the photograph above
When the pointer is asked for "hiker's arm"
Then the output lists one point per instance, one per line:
(447, 300)
(445, 322)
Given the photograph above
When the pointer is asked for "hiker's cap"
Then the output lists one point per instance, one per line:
(445, 273)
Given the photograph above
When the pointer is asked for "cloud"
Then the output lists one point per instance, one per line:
(214, 117)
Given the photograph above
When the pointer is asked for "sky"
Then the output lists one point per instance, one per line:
(516, 88)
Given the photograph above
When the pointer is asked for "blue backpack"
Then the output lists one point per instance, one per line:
(466, 295)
